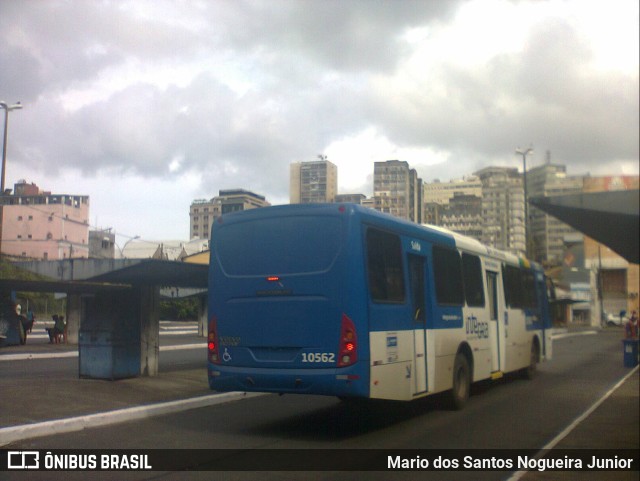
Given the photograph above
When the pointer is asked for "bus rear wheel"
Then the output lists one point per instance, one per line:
(461, 382)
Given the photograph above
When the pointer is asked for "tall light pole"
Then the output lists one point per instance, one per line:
(125, 245)
(7, 108)
(524, 154)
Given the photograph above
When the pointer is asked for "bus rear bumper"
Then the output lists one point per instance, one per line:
(347, 382)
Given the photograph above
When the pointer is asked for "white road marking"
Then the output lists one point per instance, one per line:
(551, 444)
(573, 334)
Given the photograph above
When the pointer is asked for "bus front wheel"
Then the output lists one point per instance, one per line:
(461, 382)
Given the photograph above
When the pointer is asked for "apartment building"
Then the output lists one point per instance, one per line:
(397, 190)
(546, 233)
(40, 225)
(503, 209)
(313, 182)
(102, 244)
(437, 192)
(455, 205)
(203, 212)
(462, 214)
(351, 198)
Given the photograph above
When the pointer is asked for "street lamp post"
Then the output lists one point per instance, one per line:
(125, 245)
(7, 108)
(524, 154)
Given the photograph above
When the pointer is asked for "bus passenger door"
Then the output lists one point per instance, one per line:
(417, 266)
(494, 324)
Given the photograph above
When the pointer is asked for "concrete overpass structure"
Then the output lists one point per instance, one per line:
(110, 295)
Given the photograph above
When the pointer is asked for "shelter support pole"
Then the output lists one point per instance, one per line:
(149, 308)
(74, 316)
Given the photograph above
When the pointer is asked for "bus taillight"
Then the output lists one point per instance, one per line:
(348, 347)
(212, 341)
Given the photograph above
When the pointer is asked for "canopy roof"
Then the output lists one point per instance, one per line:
(610, 218)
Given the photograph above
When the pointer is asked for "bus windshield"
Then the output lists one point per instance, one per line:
(287, 245)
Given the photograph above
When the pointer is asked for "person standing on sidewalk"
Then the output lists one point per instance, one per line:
(631, 327)
(57, 329)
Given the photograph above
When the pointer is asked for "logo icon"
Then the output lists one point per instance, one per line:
(23, 460)
(226, 357)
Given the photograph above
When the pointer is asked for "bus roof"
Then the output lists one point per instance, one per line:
(435, 233)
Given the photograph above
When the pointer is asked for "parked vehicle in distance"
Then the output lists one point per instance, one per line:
(616, 320)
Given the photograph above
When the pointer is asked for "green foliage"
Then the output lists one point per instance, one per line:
(10, 271)
(179, 309)
(41, 303)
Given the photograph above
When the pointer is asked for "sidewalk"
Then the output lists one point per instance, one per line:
(32, 396)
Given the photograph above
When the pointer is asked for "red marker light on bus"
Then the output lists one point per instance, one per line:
(212, 341)
(347, 348)
(273, 278)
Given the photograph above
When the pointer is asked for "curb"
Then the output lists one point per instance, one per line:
(59, 426)
(74, 353)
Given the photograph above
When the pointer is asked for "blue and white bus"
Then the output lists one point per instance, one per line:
(341, 300)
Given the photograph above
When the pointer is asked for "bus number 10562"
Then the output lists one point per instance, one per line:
(318, 357)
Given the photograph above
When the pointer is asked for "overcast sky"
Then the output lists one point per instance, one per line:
(147, 105)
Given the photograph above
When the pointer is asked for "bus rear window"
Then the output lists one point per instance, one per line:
(276, 246)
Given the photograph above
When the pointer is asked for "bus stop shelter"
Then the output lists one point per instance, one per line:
(114, 301)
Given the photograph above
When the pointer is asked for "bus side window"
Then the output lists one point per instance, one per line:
(529, 289)
(473, 289)
(448, 276)
(513, 291)
(384, 263)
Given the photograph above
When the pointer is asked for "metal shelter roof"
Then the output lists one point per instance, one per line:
(82, 275)
(155, 272)
(610, 218)
(69, 287)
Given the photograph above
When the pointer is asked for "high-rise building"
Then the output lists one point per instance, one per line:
(503, 209)
(462, 214)
(437, 192)
(41, 225)
(397, 190)
(455, 205)
(351, 198)
(546, 233)
(203, 212)
(313, 182)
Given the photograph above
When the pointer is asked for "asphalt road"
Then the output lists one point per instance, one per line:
(508, 414)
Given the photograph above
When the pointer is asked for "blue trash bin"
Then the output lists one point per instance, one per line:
(630, 347)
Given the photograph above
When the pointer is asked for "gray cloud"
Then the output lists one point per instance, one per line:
(341, 35)
(546, 95)
(268, 83)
